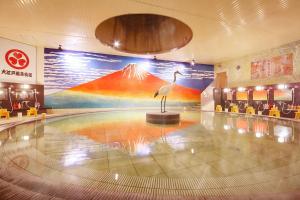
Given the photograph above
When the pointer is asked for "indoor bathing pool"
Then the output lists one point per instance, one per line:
(119, 155)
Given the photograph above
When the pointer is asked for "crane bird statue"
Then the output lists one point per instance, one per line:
(164, 91)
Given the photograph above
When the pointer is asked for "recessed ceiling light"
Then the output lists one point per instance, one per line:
(25, 86)
(241, 89)
(226, 90)
(193, 62)
(116, 43)
(259, 88)
(282, 86)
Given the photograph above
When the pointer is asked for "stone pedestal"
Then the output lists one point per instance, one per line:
(162, 118)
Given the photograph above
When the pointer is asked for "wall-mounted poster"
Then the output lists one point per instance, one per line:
(283, 95)
(229, 96)
(77, 79)
(241, 96)
(260, 95)
(276, 66)
(17, 62)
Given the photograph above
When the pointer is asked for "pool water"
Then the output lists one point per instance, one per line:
(204, 145)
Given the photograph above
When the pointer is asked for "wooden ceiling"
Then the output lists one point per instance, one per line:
(222, 29)
(144, 33)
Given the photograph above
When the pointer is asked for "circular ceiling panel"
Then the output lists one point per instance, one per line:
(143, 33)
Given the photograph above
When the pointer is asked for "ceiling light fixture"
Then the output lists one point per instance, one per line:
(60, 47)
(282, 86)
(193, 62)
(117, 43)
(241, 89)
(225, 90)
(259, 88)
(25, 86)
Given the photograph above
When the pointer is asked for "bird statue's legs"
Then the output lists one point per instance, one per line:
(161, 106)
(165, 103)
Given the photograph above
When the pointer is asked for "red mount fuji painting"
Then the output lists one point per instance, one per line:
(132, 82)
(74, 80)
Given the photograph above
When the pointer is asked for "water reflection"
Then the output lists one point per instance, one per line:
(260, 128)
(241, 131)
(281, 131)
(139, 147)
(84, 135)
(176, 141)
(75, 157)
(129, 131)
(22, 134)
(133, 134)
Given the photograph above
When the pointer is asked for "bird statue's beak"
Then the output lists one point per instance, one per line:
(179, 73)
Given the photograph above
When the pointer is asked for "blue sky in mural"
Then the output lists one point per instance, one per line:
(66, 69)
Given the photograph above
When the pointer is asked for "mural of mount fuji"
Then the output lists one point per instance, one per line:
(75, 79)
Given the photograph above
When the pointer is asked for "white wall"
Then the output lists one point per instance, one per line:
(207, 98)
(40, 65)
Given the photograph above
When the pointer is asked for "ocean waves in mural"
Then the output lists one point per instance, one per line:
(94, 80)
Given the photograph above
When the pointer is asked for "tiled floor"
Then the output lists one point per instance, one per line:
(118, 155)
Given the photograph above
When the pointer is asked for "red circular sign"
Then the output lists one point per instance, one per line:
(17, 59)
